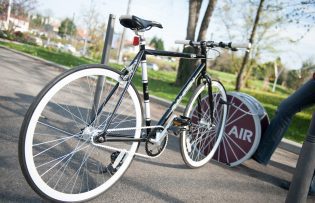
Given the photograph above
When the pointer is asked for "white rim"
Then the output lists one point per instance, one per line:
(31, 128)
(220, 136)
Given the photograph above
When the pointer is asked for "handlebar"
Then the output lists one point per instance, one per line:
(211, 44)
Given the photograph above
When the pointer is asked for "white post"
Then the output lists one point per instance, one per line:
(277, 74)
(9, 14)
(276, 77)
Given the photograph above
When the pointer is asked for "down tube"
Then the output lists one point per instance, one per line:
(181, 94)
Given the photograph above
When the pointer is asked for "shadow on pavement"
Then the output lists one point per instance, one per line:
(22, 101)
(166, 165)
(145, 188)
(15, 197)
(261, 175)
(282, 166)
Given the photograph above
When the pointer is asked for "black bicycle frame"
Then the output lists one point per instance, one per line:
(200, 71)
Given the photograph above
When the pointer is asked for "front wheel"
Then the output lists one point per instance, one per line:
(57, 153)
(199, 143)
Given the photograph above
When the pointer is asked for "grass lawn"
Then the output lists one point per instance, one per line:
(161, 85)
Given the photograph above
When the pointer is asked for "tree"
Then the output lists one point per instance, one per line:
(293, 79)
(23, 7)
(227, 62)
(299, 13)
(239, 79)
(272, 16)
(157, 43)
(95, 29)
(19, 8)
(227, 17)
(186, 67)
(3, 6)
(97, 43)
(67, 27)
(37, 21)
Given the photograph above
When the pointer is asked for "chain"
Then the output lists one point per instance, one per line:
(134, 128)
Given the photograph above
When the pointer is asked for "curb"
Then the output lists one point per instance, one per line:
(285, 144)
(290, 146)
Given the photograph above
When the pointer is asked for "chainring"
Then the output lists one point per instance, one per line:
(155, 149)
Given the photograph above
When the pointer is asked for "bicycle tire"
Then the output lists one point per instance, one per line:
(84, 165)
(203, 138)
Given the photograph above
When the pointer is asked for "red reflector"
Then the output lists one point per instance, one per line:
(136, 41)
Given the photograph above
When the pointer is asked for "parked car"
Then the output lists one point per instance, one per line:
(38, 41)
(59, 45)
(69, 48)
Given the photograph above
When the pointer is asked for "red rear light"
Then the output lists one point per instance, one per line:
(136, 41)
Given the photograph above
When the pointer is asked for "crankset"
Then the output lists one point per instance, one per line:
(154, 149)
(155, 146)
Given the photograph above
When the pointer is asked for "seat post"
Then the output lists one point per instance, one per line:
(145, 83)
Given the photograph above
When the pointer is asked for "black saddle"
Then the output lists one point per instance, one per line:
(136, 23)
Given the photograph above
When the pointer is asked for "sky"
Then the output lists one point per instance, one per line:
(173, 15)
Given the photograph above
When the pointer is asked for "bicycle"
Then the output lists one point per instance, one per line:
(75, 145)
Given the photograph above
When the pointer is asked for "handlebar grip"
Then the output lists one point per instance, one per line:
(185, 42)
(240, 45)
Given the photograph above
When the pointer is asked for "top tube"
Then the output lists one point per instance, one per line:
(174, 54)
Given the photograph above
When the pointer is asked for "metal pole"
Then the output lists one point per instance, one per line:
(304, 169)
(108, 39)
(105, 58)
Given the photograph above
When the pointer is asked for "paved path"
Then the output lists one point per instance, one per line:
(165, 179)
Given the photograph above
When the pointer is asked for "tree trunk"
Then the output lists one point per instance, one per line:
(194, 10)
(239, 80)
(187, 66)
(206, 20)
(248, 72)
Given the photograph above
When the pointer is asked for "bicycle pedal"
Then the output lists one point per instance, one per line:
(117, 158)
(181, 121)
(176, 130)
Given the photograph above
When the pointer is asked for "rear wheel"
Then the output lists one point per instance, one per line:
(58, 156)
(199, 143)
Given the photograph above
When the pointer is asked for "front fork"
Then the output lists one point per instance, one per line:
(210, 97)
(205, 76)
